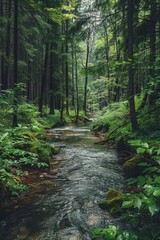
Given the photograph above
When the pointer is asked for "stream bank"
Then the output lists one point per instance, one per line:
(84, 173)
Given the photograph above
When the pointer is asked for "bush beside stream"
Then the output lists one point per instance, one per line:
(139, 153)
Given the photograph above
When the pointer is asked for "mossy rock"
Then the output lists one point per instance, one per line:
(43, 150)
(114, 201)
(131, 167)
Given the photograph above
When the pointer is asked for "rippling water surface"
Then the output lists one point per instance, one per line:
(85, 171)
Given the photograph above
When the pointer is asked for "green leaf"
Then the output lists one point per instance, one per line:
(131, 181)
(153, 209)
(138, 203)
(4, 136)
(127, 204)
(151, 170)
(145, 145)
(141, 150)
(135, 143)
(149, 151)
(156, 193)
(141, 181)
(158, 151)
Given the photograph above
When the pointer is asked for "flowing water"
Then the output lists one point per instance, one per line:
(84, 173)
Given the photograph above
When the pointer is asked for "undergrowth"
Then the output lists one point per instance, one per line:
(139, 208)
(25, 145)
(21, 147)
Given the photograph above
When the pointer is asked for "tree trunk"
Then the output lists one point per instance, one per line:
(86, 74)
(152, 71)
(52, 68)
(73, 68)
(43, 80)
(77, 90)
(62, 85)
(66, 70)
(2, 48)
(15, 101)
(133, 117)
(8, 40)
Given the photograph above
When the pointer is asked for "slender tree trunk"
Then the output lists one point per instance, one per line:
(77, 90)
(2, 47)
(118, 55)
(73, 69)
(86, 75)
(62, 84)
(8, 40)
(152, 72)
(107, 60)
(29, 94)
(15, 102)
(133, 117)
(52, 68)
(67, 71)
(43, 80)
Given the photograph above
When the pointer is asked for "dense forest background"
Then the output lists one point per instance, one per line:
(80, 55)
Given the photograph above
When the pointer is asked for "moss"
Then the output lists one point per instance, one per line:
(112, 193)
(113, 202)
(131, 167)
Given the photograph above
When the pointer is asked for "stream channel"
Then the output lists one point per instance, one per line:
(84, 173)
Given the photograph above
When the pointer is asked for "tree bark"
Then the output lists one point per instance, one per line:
(52, 68)
(131, 100)
(2, 48)
(8, 40)
(73, 70)
(77, 90)
(43, 80)
(66, 70)
(15, 101)
(86, 74)
(152, 71)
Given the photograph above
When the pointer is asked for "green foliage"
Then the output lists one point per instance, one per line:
(113, 233)
(140, 206)
(22, 147)
(113, 116)
(100, 125)
(15, 154)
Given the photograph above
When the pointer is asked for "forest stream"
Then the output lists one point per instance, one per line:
(84, 173)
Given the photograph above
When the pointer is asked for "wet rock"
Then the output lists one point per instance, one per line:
(23, 233)
(94, 220)
(131, 167)
(113, 202)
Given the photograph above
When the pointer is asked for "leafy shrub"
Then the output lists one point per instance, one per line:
(19, 148)
(113, 233)
(140, 206)
(100, 125)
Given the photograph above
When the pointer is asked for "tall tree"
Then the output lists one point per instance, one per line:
(2, 43)
(86, 70)
(15, 102)
(66, 68)
(130, 14)
(8, 41)
(43, 80)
